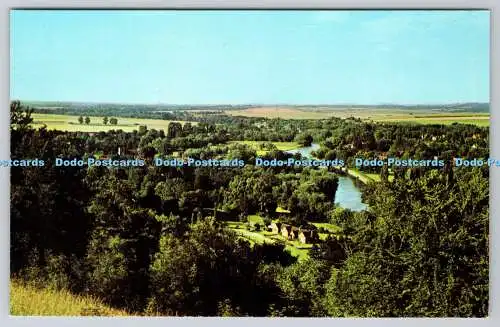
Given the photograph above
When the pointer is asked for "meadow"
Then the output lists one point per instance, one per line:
(295, 248)
(365, 177)
(262, 236)
(70, 123)
(282, 146)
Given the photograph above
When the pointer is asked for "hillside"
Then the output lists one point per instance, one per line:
(29, 301)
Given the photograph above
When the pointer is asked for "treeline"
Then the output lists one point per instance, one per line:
(470, 107)
(165, 112)
(368, 140)
(152, 240)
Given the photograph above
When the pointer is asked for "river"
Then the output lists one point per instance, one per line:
(305, 151)
(348, 195)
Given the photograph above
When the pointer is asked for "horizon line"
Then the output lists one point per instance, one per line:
(257, 104)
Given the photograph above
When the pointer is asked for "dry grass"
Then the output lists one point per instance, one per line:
(26, 300)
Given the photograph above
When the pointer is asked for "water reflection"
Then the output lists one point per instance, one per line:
(305, 151)
(348, 195)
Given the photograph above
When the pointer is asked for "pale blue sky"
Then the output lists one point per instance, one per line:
(226, 57)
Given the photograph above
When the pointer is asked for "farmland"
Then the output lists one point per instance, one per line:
(479, 119)
(70, 123)
(281, 112)
(377, 115)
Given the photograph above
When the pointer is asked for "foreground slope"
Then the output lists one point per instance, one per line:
(27, 300)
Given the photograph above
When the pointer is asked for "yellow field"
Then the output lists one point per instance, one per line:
(477, 119)
(29, 301)
(377, 115)
(317, 112)
(70, 123)
(281, 112)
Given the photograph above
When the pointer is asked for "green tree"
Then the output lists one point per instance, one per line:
(80, 120)
(122, 242)
(142, 129)
(105, 120)
(48, 224)
(20, 116)
(187, 129)
(174, 130)
(304, 139)
(425, 253)
(302, 284)
(210, 271)
(87, 120)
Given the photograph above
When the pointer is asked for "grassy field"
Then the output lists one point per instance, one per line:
(255, 237)
(281, 112)
(70, 123)
(282, 210)
(329, 227)
(376, 115)
(296, 249)
(367, 177)
(29, 301)
(282, 146)
(255, 219)
(300, 254)
(363, 177)
(478, 119)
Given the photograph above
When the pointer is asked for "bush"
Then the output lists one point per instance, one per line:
(340, 216)
(56, 274)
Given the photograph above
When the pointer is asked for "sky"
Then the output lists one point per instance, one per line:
(250, 57)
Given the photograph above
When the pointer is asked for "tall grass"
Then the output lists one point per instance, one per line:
(27, 300)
